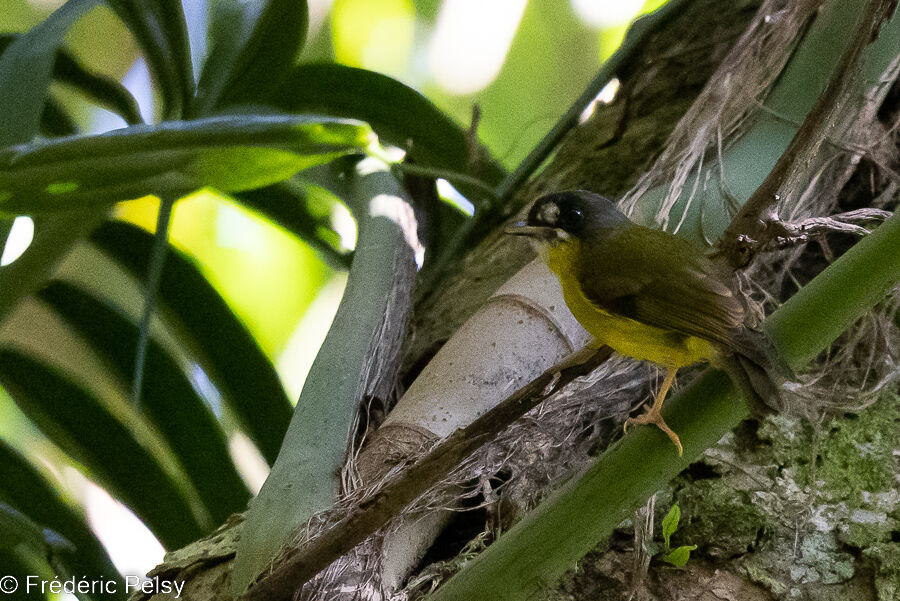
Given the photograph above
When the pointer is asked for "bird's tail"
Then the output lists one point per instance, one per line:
(758, 371)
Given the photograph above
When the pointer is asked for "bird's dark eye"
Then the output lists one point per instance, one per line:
(571, 219)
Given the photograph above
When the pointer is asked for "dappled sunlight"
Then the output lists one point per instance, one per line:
(296, 359)
(605, 96)
(345, 226)
(450, 194)
(606, 13)
(249, 461)
(18, 240)
(374, 34)
(131, 546)
(471, 41)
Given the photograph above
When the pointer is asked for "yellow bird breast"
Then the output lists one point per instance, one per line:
(624, 335)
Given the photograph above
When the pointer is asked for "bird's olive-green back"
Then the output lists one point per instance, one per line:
(661, 280)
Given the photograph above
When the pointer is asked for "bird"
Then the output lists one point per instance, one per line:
(650, 295)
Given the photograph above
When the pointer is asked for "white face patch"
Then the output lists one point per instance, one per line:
(549, 213)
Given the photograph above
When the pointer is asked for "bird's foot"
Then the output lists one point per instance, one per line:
(652, 415)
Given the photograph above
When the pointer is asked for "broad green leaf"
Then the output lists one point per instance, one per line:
(255, 44)
(229, 153)
(169, 401)
(25, 70)
(22, 487)
(395, 111)
(101, 90)
(203, 321)
(160, 30)
(84, 429)
(680, 556)
(670, 523)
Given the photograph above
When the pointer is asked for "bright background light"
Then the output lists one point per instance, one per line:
(470, 42)
(17, 241)
(605, 13)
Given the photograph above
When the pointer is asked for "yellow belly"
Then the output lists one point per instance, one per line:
(625, 336)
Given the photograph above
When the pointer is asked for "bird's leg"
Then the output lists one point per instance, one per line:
(653, 416)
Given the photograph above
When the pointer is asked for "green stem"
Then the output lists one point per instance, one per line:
(306, 476)
(587, 508)
(823, 309)
(157, 259)
(454, 177)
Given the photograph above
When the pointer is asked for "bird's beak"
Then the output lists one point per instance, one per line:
(534, 231)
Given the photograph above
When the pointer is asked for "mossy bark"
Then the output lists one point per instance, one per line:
(782, 510)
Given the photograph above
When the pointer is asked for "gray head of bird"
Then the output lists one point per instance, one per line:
(560, 216)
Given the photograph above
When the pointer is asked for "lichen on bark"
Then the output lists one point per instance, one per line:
(784, 510)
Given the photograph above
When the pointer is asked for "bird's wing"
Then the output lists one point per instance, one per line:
(662, 281)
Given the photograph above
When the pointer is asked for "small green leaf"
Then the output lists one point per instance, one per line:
(670, 523)
(679, 556)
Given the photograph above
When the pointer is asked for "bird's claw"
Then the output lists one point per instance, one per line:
(653, 416)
